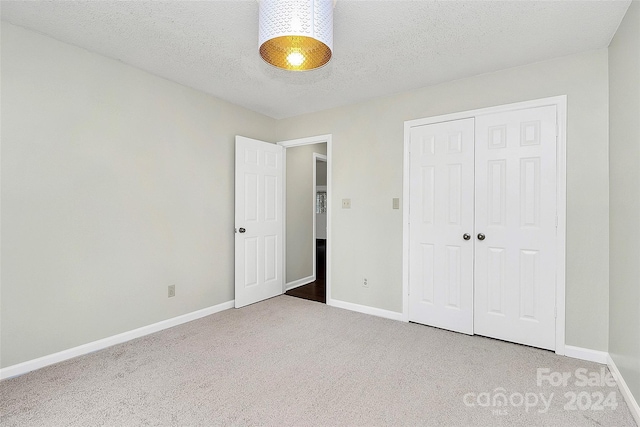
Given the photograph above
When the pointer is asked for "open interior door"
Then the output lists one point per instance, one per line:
(258, 221)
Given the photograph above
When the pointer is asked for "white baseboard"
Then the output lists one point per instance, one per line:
(365, 309)
(41, 362)
(586, 354)
(634, 408)
(300, 282)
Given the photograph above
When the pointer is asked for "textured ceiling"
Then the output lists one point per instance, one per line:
(380, 47)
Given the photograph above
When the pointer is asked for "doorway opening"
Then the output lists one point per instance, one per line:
(308, 218)
(316, 290)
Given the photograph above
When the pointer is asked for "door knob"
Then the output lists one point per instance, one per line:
(242, 230)
(466, 236)
(481, 236)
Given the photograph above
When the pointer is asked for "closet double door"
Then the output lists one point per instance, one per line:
(482, 225)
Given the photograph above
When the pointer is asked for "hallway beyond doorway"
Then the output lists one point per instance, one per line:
(315, 291)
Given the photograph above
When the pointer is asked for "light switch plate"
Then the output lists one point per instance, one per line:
(396, 203)
(346, 203)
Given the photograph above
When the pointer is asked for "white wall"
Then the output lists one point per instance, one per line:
(300, 210)
(115, 184)
(624, 161)
(367, 167)
(321, 172)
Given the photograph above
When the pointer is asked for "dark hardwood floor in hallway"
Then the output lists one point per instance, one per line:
(315, 291)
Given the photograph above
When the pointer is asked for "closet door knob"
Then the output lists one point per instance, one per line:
(466, 236)
(481, 236)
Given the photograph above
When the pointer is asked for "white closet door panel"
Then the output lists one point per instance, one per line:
(515, 197)
(441, 212)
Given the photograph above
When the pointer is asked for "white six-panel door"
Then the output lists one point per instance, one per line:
(258, 221)
(494, 179)
(441, 213)
(515, 265)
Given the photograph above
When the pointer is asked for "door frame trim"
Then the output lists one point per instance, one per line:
(319, 139)
(560, 102)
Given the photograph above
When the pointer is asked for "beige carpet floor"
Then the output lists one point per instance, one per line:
(291, 362)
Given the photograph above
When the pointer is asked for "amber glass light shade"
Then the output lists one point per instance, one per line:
(296, 53)
(296, 34)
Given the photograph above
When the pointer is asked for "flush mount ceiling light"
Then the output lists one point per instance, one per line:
(296, 34)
